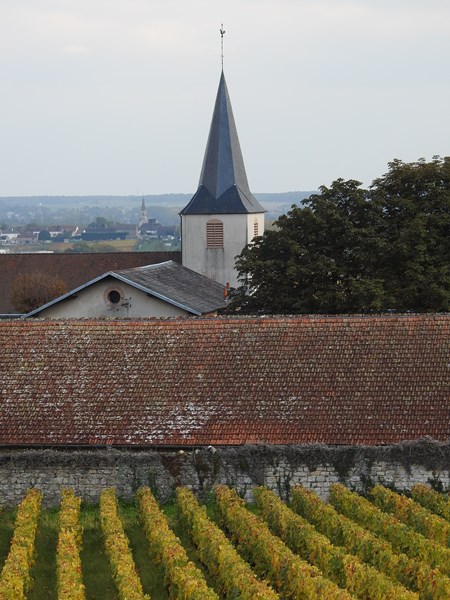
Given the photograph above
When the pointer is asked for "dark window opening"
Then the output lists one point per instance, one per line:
(114, 297)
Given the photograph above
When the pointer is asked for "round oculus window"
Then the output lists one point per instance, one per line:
(114, 297)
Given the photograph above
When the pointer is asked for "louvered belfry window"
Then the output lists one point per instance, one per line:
(214, 234)
(255, 228)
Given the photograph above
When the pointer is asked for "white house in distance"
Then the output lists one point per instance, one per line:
(161, 290)
(223, 216)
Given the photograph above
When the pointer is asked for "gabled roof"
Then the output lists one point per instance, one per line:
(167, 281)
(75, 269)
(223, 186)
(225, 381)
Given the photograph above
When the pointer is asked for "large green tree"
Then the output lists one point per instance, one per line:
(349, 250)
(415, 267)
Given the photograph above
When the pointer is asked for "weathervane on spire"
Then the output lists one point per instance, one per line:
(222, 33)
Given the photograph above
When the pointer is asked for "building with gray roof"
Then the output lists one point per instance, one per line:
(161, 290)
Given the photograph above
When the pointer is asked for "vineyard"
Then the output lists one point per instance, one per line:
(387, 545)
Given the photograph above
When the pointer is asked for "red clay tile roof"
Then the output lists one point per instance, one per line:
(74, 269)
(278, 380)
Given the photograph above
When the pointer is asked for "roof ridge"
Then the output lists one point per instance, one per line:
(192, 321)
(142, 267)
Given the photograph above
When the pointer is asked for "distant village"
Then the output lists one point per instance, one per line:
(31, 224)
(22, 238)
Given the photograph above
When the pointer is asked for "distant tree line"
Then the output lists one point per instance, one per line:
(349, 249)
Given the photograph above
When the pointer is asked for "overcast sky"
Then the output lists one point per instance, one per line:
(116, 96)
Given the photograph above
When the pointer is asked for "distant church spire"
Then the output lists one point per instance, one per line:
(144, 216)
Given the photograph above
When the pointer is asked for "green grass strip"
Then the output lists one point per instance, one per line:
(150, 573)
(43, 571)
(97, 576)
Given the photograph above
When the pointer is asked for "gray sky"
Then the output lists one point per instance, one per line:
(116, 96)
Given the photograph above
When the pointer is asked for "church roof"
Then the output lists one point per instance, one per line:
(167, 281)
(223, 186)
(341, 380)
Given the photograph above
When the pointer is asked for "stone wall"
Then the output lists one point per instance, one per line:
(278, 467)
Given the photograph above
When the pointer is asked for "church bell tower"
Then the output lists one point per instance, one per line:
(223, 216)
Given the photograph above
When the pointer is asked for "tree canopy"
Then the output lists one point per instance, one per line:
(101, 223)
(44, 235)
(348, 249)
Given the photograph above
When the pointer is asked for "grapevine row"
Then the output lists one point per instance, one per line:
(402, 537)
(412, 514)
(432, 500)
(68, 562)
(342, 531)
(183, 579)
(344, 569)
(15, 577)
(233, 574)
(293, 577)
(117, 547)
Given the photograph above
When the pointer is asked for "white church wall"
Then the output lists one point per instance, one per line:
(217, 263)
(93, 302)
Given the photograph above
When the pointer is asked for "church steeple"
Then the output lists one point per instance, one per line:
(223, 216)
(144, 216)
(144, 211)
(223, 186)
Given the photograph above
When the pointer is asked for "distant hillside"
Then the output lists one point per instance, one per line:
(81, 210)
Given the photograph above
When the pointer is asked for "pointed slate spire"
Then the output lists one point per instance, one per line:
(144, 217)
(223, 186)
